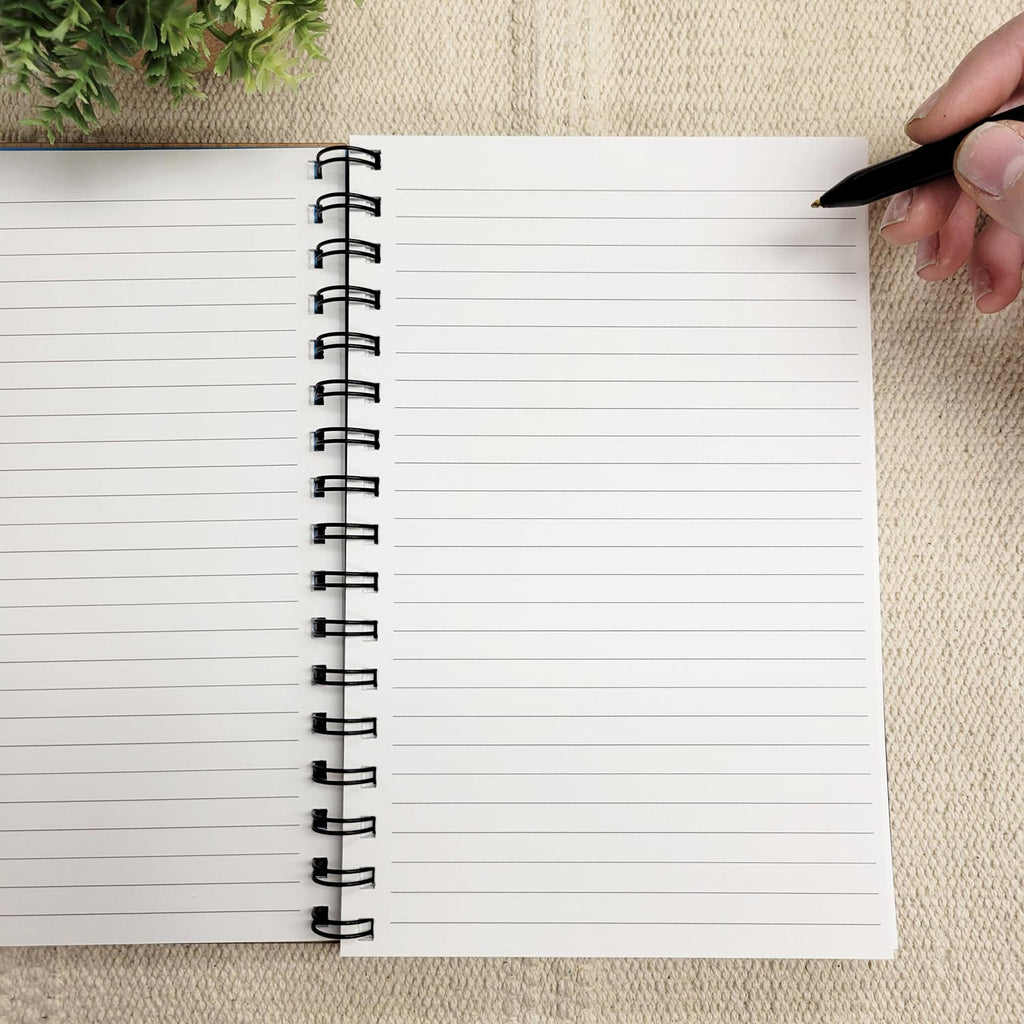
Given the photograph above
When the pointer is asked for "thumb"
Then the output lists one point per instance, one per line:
(989, 167)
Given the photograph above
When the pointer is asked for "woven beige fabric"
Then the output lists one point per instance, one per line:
(950, 413)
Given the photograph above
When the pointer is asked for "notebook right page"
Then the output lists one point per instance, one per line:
(630, 692)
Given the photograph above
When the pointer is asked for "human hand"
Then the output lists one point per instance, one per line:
(989, 167)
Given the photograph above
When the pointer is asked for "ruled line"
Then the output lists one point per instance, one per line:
(120, 468)
(623, 191)
(145, 800)
(610, 380)
(157, 856)
(637, 408)
(630, 686)
(602, 219)
(560, 575)
(601, 462)
(624, 547)
(122, 280)
(160, 200)
(604, 298)
(624, 832)
(153, 440)
(154, 885)
(151, 828)
(646, 924)
(133, 387)
(169, 412)
(630, 660)
(608, 892)
(131, 743)
(643, 273)
(144, 604)
(211, 547)
(701, 774)
(155, 305)
(145, 252)
(139, 632)
(151, 576)
(116, 661)
(634, 245)
(142, 522)
(624, 437)
(173, 714)
(672, 631)
(151, 686)
(829, 863)
(613, 803)
(623, 519)
(665, 355)
(523, 717)
(622, 490)
(655, 327)
(136, 227)
(147, 913)
(149, 771)
(142, 359)
(627, 602)
(641, 745)
(114, 334)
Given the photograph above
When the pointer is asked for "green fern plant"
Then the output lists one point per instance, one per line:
(68, 50)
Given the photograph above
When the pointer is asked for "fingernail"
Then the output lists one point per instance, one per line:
(923, 110)
(982, 283)
(898, 209)
(991, 158)
(927, 253)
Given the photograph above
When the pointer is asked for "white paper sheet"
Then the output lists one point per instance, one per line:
(630, 696)
(155, 548)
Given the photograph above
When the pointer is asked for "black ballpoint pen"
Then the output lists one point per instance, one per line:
(926, 163)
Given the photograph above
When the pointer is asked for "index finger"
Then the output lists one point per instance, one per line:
(982, 83)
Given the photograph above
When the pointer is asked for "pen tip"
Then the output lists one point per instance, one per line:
(816, 204)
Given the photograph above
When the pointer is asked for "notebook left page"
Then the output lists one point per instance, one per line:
(154, 545)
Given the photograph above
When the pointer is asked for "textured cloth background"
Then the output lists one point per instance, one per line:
(950, 411)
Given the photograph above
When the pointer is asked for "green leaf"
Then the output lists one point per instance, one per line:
(65, 49)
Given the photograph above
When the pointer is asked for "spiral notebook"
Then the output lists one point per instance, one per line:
(444, 546)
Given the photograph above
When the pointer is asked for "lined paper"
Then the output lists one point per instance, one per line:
(154, 546)
(630, 696)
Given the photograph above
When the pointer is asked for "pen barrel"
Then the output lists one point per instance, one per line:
(899, 173)
(919, 166)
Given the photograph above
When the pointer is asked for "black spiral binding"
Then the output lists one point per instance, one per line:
(341, 344)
